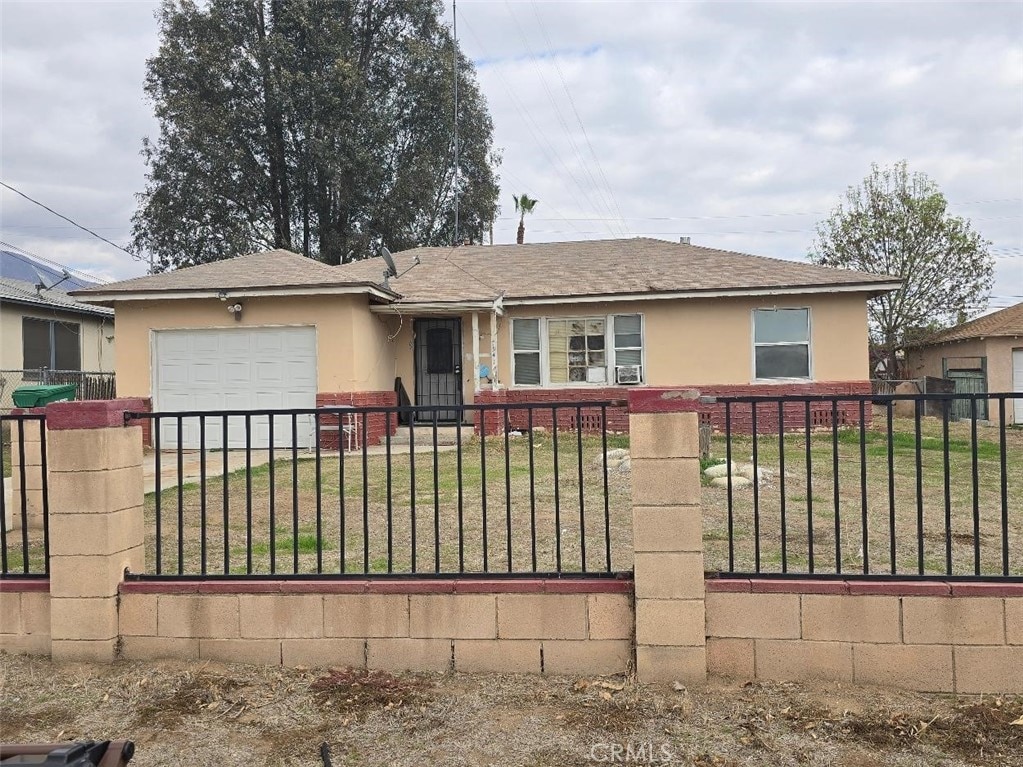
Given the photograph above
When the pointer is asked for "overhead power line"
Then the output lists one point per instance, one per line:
(69, 220)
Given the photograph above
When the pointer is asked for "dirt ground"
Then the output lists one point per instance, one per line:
(222, 715)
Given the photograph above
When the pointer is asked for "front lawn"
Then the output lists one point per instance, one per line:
(914, 512)
(381, 525)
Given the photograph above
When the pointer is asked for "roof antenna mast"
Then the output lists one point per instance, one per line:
(454, 68)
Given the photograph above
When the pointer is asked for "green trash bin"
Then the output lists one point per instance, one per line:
(37, 396)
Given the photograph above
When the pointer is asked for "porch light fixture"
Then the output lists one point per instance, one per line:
(236, 310)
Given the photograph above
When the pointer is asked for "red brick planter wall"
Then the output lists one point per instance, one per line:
(618, 418)
(493, 421)
(821, 413)
(376, 423)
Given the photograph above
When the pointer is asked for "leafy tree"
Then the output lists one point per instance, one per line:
(523, 204)
(321, 127)
(897, 223)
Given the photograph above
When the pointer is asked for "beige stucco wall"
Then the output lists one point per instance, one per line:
(998, 352)
(96, 336)
(710, 341)
(687, 341)
(352, 347)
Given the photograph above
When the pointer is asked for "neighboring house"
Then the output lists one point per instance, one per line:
(982, 355)
(47, 328)
(556, 321)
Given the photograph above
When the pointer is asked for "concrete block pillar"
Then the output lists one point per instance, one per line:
(667, 538)
(27, 434)
(96, 522)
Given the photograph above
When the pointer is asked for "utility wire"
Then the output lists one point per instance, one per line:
(70, 221)
(568, 132)
(537, 134)
(579, 120)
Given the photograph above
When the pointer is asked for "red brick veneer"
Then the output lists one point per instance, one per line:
(493, 420)
(653, 399)
(376, 423)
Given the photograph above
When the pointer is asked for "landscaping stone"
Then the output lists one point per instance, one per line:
(720, 470)
(738, 483)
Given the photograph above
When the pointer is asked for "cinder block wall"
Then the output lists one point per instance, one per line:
(933, 637)
(521, 627)
(25, 617)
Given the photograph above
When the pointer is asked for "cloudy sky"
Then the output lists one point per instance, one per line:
(736, 124)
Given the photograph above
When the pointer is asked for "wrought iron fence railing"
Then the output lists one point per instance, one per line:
(865, 486)
(504, 490)
(24, 518)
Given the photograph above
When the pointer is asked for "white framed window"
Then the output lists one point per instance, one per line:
(577, 351)
(781, 344)
(526, 352)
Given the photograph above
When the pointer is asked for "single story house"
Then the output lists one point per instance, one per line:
(41, 326)
(562, 321)
(982, 355)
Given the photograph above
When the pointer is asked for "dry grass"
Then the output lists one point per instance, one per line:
(233, 715)
(421, 532)
(956, 540)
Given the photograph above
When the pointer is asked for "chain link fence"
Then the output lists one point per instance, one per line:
(89, 384)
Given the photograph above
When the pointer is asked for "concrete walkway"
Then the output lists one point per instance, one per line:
(191, 462)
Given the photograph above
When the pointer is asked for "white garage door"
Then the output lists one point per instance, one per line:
(1017, 384)
(235, 369)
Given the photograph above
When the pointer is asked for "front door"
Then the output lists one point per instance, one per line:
(439, 366)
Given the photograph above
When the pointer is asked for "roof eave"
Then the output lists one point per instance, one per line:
(97, 311)
(962, 339)
(873, 288)
(94, 296)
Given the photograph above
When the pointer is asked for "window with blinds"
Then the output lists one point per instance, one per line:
(577, 350)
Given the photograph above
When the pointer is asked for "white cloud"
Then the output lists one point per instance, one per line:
(721, 121)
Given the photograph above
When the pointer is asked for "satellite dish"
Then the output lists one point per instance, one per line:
(392, 270)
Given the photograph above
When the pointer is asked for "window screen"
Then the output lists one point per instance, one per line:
(439, 357)
(35, 336)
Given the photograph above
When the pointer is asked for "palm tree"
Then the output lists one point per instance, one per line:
(523, 204)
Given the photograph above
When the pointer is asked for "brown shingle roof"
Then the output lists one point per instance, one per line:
(481, 273)
(267, 269)
(593, 267)
(1006, 322)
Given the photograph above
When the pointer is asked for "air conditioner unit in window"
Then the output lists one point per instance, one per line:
(627, 374)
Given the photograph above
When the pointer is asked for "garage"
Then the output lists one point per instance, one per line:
(247, 368)
(1017, 384)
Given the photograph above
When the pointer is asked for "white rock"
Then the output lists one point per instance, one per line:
(618, 452)
(737, 482)
(719, 470)
(626, 465)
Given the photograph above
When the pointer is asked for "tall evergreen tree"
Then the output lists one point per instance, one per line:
(314, 126)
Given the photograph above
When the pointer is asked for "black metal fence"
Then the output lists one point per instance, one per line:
(342, 491)
(854, 486)
(24, 525)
